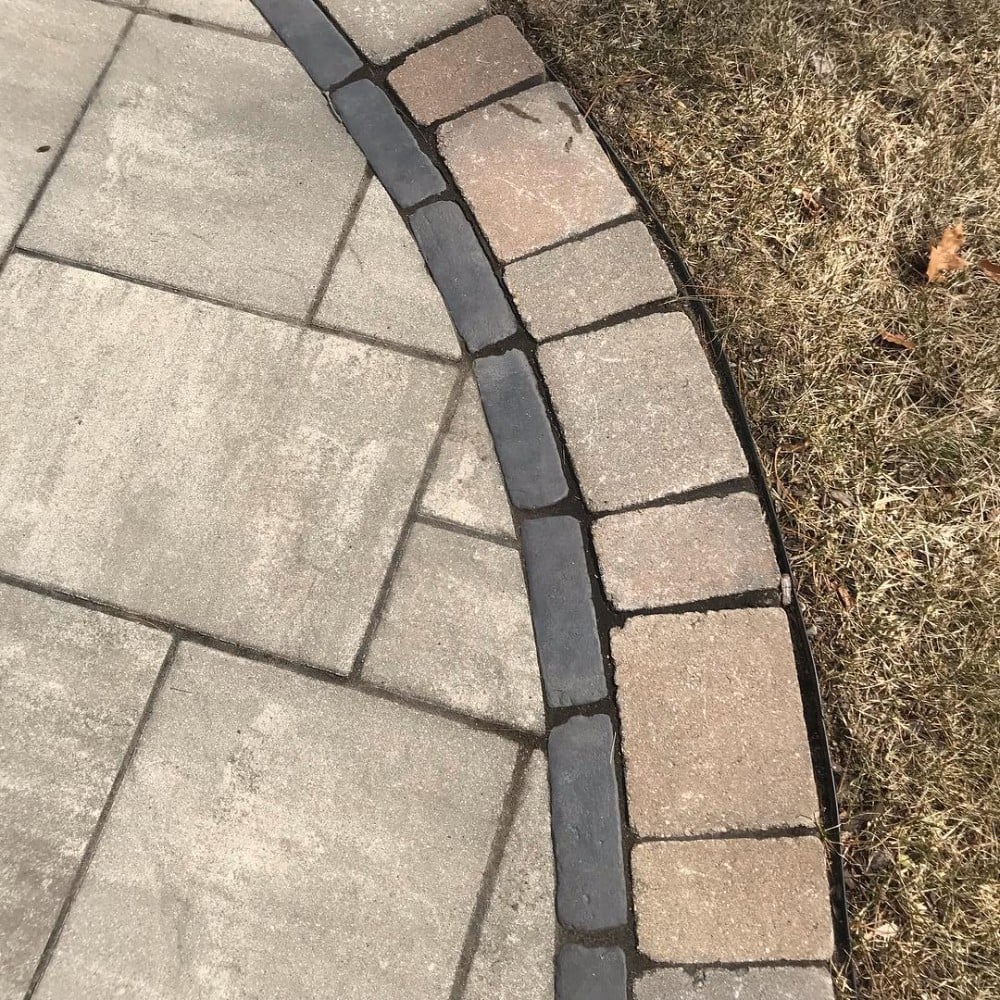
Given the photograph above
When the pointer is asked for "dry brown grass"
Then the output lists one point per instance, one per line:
(804, 156)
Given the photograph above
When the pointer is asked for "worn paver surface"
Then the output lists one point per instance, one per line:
(386, 607)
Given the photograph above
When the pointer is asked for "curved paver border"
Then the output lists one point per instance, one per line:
(568, 585)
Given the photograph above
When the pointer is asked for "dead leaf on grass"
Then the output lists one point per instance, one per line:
(898, 339)
(991, 270)
(884, 932)
(945, 258)
(810, 206)
(846, 597)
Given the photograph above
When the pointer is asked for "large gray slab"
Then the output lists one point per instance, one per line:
(514, 957)
(73, 684)
(235, 474)
(380, 286)
(456, 630)
(641, 411)
(383, 29)
(278, 836)
(241, 15)
(51, 53)
(207, 162)
(466, 486)
(775, 983)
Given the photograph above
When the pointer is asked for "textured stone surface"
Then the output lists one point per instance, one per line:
(641, 411)
(239, 475)
(590, 973)
(388, 144)
(532, 171)
(583, 282)
(466, 486)
(204, 186)
(238, 14)
(73, 686)
(457, 630)
(735, 984)
(465, 69)
(562, 606)
(277, 836)
(523, 437)
(470, 289)
(712, 727)
(383, 29)
(586, 825)
(51, 53)
(742, 900)
(323, 51)
(381, 287)
(685, 552)
(514, 957)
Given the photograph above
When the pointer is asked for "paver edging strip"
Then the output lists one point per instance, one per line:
(405, 158)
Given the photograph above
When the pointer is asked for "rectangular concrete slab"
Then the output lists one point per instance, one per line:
(641, 411)
(774, 983)
(51, 53)
(685, 552)
(456, 630)
(743, 900)
(383, 29)
(73, 684)
(532, 171)
(240, 15)
(279, 836)
(588, 280)
(208, 162)
(234, 474)
(712, 727)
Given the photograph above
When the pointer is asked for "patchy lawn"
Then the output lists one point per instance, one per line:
(806, 155)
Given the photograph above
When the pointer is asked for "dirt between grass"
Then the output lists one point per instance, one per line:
(805, 156)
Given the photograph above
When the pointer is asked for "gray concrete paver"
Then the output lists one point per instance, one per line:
(735, 984)
(235, 474)
(258, 847)
(73, 684)
(51, 54)
(238, 14)
(207, 162)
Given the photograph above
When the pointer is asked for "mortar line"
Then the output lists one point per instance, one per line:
(713, 491)
(513, 800)
(397, 556)
(95, 837)
(183, 633)
(70, 136)
(433, 521)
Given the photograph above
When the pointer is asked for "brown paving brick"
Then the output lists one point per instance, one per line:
(532, 171)
(712, 727)
(742, 900)
(465, 69)
(584, 281)
(662, 556)
(641, 411)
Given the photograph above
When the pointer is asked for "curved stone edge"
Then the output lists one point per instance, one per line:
(594, 900)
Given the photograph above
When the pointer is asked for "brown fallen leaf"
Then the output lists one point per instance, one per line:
(945, 258)
(991, 270)
(845, 598)
(898, 339)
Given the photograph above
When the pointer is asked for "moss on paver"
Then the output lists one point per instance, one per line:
(805, 155)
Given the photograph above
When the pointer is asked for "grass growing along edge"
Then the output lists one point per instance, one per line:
(805, 155)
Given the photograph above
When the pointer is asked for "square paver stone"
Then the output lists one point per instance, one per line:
(587, 280)
(465, 69)
(207, 162)
(73, 684)
(712, 727)
(381, 288)
(383, 29)
(774, 983)
(742, 900)
(684, 552)
(51, 53)
(278, 836)
(466, 486)
(238, 14)
(456, 630)
(532, 171)
(237, 475)
(641, 411)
